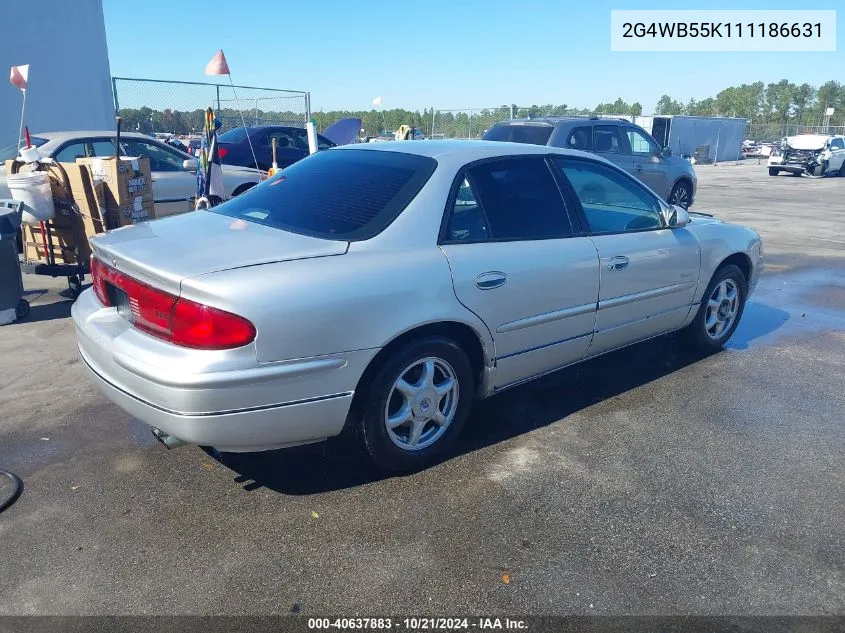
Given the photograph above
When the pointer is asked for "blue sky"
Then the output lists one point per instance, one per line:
(437, 53)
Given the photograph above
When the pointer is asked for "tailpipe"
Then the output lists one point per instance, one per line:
(167, 440)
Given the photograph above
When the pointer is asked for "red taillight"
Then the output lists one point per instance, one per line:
(203, 327)
(98, 282)
(166, 316)
(222, 151)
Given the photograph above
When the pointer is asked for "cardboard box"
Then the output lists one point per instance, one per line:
(132, 213)
(67, 242)
(89, 197)
(123, 179)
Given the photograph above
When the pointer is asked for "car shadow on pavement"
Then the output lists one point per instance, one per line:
(46, 312)
(340, 463)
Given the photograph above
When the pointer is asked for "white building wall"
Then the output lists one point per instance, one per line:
(64, 42)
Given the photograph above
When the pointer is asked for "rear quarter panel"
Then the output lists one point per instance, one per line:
(327, 305)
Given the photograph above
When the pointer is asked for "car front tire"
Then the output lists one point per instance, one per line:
(416, 404)
(721, 309)
(773, 171)
(681, 194)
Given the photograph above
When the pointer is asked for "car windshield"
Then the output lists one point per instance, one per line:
(533, 134)
(10, 152)
(338, 194)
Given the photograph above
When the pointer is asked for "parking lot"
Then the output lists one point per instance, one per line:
(648, 481)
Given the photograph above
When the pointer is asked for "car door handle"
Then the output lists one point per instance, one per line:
(490, 280)
(619, 262)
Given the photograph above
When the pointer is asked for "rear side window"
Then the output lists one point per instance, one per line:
(532, 134)
(606, 139)
(510, 199)
(580, 137)
(340, 194)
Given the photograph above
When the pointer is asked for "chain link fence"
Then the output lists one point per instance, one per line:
(466, 123)
(774, 132)
(178, 107)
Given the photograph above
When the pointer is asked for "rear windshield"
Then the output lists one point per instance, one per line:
(335, 194)
(533, 134)
(11, 151)
(235, 135)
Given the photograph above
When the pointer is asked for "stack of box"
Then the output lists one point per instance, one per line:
(105, 193)
(66, 235)
(127, 187)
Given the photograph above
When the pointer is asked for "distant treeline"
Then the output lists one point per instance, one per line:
(782, 103)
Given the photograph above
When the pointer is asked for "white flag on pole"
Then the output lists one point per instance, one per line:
(377, 101)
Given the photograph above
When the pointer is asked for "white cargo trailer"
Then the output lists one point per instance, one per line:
(720, 137)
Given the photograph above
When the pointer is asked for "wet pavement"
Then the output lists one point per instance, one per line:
(649, 481)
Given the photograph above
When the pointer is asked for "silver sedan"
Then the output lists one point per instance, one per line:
(387, 286)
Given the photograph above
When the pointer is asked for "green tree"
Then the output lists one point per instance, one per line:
(667, 105)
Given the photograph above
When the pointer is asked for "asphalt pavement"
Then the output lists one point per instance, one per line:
(649, 481)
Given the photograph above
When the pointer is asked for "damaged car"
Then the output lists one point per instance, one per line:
(814, 155)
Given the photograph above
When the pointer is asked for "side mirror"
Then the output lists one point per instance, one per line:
(675, 216)
(190, 164)
(666, 152)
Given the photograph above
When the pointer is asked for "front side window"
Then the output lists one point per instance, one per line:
(612, 202)
(342, 195)
(606, 139)
(161, 158)
(641, 144)
(837, 143)
(519, 198)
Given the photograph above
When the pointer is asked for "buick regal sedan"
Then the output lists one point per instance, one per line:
(389, 285)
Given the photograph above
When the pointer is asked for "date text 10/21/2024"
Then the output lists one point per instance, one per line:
(417, 624)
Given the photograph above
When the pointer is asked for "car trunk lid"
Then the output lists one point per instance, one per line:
(163, 252)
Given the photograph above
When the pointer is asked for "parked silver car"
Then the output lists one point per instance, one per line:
(619, 141)
(389, 285)
(173, 172)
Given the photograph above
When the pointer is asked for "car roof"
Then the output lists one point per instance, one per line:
(66, 136)
(559, 120)
(466, 150)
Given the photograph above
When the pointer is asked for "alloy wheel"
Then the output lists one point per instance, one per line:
(722, 308)
(421, 404)
(680, 196)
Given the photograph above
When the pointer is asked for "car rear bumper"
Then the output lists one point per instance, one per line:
(222, 399)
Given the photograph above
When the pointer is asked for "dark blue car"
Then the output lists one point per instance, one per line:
(291, 145)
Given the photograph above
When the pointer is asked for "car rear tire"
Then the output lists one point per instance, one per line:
(721, 309)
(841, 171)
(774, 171)
(416, 404)
(242, 188)
(681, 194)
